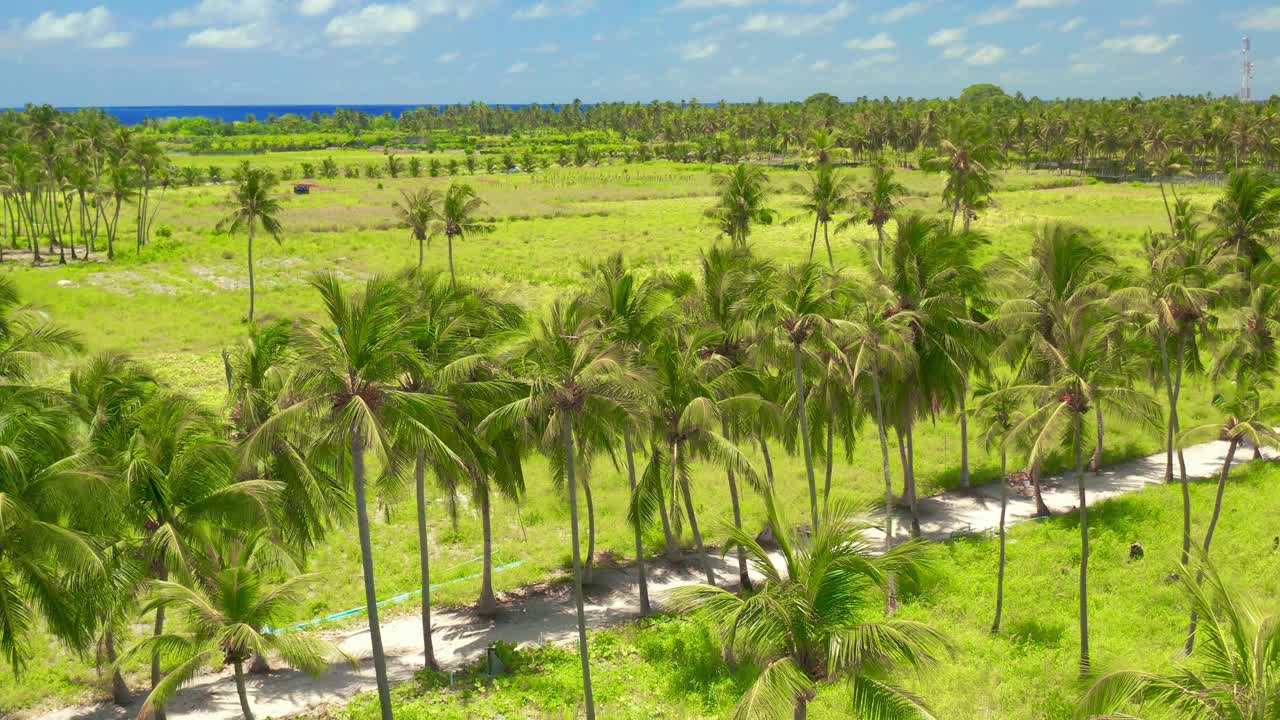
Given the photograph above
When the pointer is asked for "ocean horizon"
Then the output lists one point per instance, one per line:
(137, 114)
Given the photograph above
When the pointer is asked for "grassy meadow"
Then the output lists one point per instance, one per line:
(671, 668)
(183, 299)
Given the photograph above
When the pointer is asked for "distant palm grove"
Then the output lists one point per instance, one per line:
(122, 499)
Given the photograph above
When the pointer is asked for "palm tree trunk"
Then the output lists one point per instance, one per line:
(640, 571)
(242, 691)
(691, 513)
(673, 551)
(453, 278)
(879, 244)
(566, 436)
(119, 689)
(421, 251)
(1004, 505)
(259, 665)
(802, 707)
(591, 531)
(891, 603)
(813, 242)
(1077, 421)
(1171, 427)
(830, 461)
(111, 232)
(424, 557)
(964, 437)
(826, 237)
(155, 654)
(1095, 462)
(913, 497)
(768, 458)
(803, 411)
(744, 578)
(366, 565)
(1042, 510)
(1168, 213)
(1213, 524)
(251, 224)
(487, 605)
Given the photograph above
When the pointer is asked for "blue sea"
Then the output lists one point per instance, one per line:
(136, 114)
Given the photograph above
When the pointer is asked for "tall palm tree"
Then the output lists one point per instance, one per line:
(254, 207)
(1235, 677)
(1066, 273)
(346, 387)
(827, 193)
(1000, 412)
(456, 217)
(223, 619)
(807, 625)
(742, 195)
(878, 344)
(1080, 372)
(632, 313)
(800, 308)
(1245, 418)
(416, 210)
(578, 386)
(881, 200)
(968, 157)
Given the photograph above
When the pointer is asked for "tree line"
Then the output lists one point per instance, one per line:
(126, 498)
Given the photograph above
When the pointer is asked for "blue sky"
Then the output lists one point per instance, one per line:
(139, 52)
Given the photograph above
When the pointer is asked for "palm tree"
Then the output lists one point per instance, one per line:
(1066, 272)
(631, 312)
(346, 393)
(417, 211)
(881, 200)
(1000, 412)
(44, 484)
(742, 195)
(1080, 373)
(827, 193)
(800, 307)
(578, 386)
(27, 338)
(1247, 216)
(456, 217)
(1238, 671)
(806, 626)
(967, 156)
(1245, 418)
(253, 207)
(1248, 331)
(223, 619)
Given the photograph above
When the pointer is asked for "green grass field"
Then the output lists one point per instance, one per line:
(184, 299)
(671, 668)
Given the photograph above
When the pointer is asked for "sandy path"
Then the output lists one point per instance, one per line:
(460, 637)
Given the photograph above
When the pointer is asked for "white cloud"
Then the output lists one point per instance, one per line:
(995, 16)
(93, 28)
(799, 24)
(546, 9)
(517, 68)
(710, 22)
(1071, 24)
(449, 57)
(955, 51)
(547, 48)
(699, 50)
(316, 7)
(900, 12)
(1264, 19)
(1030, 50)
(708, 4)
(1087, 68)
(947, 36)
(881, 41)
(371, 23)
(873, 60)
(1042, 4)
(987, 55)
(820, 66)
(1145, 44)
(1140, 21)
(241, 37)
(218, 12)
